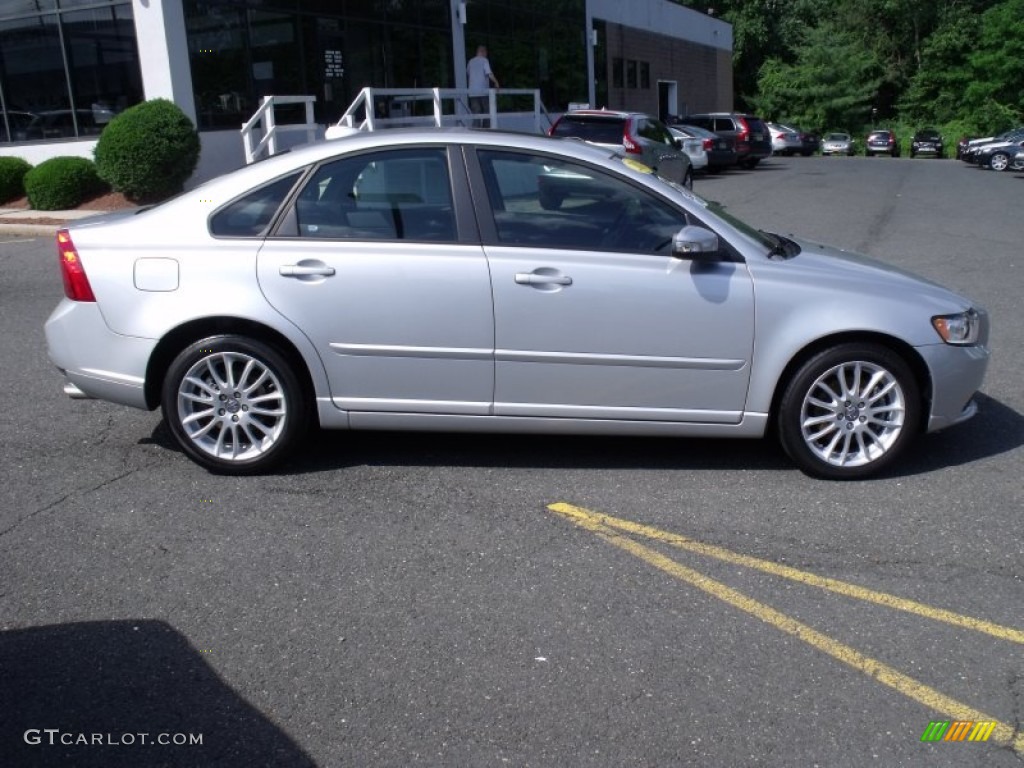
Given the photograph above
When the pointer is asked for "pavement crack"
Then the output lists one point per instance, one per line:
(82, 492)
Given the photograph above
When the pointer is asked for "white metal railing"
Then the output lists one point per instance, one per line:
(377, 108)
(265, 122)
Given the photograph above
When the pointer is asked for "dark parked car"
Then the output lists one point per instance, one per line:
(721, 150)
(751, 138)
(1000, 155)
(882, 143)
(971, 153)
(926, 142)
(810, 142)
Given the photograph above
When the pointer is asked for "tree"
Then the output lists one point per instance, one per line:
(831, 84)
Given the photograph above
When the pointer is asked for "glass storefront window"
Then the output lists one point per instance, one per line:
(217, 47)
(35, 88)
(96, 47)
(241, 51)
(103, 61)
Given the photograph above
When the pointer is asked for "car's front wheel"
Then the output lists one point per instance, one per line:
(849, 411)
(688, 179)
(999, 161)
(234, 404)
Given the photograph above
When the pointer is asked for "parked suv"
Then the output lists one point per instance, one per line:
(751, 138)
(634, 134)
(882, 143)
(927, 141)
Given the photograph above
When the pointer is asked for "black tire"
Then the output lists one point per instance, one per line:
(870, 429)
(688, 179)
(234, 405)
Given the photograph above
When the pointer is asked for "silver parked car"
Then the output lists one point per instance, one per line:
(483, 281)
(693, 147)
(785, 140)
(838, 144)
(638, 135)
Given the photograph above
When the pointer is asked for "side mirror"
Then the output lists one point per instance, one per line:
(696, 244)
(677, 143)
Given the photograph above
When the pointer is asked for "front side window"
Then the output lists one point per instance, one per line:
(546, 202)
(392, 195)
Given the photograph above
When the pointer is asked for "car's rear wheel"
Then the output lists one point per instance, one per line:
(849, 411)
(999, 161)
(234, 404)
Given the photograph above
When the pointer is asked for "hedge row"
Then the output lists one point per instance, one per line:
(147, 153)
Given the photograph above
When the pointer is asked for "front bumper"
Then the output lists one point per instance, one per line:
(99, 363)
(956, 374)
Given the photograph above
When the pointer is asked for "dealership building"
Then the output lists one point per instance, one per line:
(68, 66)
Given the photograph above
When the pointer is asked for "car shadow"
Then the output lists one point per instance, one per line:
(111, 681)
(996, 429)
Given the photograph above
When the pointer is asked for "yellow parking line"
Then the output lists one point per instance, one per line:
(794, 574)
(883, 673)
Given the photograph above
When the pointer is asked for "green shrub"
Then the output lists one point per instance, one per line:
(12, 177)
(148, 151)
(62, 182)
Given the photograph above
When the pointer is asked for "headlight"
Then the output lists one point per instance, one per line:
(960, 329)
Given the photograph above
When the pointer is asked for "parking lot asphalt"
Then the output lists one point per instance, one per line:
(396, 599)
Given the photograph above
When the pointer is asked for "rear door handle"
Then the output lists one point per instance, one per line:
(299, 270)
(531, 278)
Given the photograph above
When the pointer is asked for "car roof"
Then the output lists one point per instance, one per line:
(399, 138)
(608, 113)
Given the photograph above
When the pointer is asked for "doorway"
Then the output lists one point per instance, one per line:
(668, 99)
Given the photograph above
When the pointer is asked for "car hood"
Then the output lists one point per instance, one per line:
(825, 264)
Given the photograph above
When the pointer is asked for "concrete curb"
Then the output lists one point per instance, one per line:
(19, 221)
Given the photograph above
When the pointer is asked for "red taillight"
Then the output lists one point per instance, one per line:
(708, 145)
(629, 142)
(744, 133)
(76, 284)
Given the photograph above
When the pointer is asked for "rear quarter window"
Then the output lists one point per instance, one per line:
(600, 131)
(251, 214)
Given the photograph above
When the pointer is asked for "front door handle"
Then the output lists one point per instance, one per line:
(304, 270)
(532, 278)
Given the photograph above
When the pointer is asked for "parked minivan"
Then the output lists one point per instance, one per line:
(753, 141)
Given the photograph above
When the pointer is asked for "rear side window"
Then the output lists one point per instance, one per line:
(597, 130)
(757, 125)
(251, 214)
(654, 131)
(724, 124)
(402, 194)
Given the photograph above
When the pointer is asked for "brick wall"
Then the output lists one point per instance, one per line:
(703, 75)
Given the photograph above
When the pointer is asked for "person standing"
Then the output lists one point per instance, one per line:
(481, 78)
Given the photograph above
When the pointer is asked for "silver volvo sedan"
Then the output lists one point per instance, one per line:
(459, 280)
